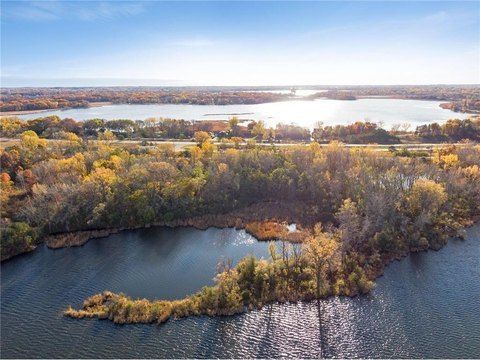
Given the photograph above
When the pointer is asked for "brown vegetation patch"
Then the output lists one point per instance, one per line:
(270, 230)
(76, 238)
(267, 230)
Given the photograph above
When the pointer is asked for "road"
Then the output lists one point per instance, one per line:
(182, 145)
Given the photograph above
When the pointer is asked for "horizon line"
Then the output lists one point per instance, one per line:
(231, 86)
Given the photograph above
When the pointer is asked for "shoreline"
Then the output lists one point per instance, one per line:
(121, 309)
(28, 112)
(269, 228)
(80, 238)
(256, 219)
(263, 228)
(443, 105)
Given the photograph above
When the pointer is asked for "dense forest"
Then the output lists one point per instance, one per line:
(462, 98)
(237, 131)
(74, 184)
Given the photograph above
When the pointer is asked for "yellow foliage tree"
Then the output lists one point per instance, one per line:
(201, 137)
(10, 126)
(446, 161)
(426, 195)
(321, 249)
(30, 140)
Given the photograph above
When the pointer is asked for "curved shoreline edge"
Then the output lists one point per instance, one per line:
(121, 309)
(272, 226)
(265, 221)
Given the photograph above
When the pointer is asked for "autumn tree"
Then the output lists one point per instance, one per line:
(321, 249)
(350, 225)
(259, 130)
(233, 126)
(10, 126)
(201, 137)
(6, 188)
(425, 197)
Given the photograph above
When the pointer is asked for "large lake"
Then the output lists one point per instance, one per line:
(427, 305)
(301, 112)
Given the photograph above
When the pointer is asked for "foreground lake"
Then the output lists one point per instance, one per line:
(427, 305)
(301, 112)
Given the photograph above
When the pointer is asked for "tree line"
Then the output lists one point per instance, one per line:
(50, 98)
(460, 98)
(52, 127)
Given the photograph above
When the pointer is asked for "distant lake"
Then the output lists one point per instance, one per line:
(302, 112)
(425, 306)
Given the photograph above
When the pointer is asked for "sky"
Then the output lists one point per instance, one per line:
(87, 43)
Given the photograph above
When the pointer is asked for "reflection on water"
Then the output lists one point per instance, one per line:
(426, 305)
(301, 112)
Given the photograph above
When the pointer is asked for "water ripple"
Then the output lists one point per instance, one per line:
(426, 305)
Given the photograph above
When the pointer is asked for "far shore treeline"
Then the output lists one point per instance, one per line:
(237, 131)
(461, 98)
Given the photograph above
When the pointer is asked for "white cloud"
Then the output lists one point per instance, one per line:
(85, 11)
(109, 10)
(33, 11)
